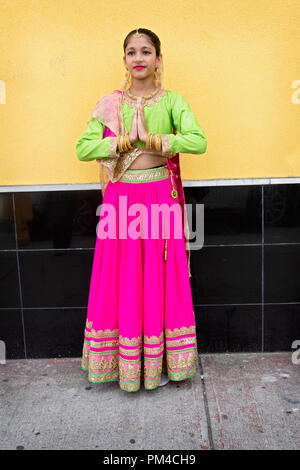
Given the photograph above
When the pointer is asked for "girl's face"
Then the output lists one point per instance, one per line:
(140, 52)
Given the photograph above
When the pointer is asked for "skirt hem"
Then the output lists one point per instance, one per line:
(148, 384)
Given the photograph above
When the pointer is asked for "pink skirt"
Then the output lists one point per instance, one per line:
(140, 318)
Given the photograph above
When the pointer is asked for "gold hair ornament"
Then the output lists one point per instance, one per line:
(137, 34)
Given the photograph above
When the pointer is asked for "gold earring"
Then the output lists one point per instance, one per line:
(157, 75)
(126, 80)
(160, 75)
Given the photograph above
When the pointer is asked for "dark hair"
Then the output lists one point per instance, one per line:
(154, 39)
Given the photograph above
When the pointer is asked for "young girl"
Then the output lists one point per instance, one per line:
(140, 322)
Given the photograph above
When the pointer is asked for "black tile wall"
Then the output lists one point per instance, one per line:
(281, 326)
(230, 328)
(245, 275)
(57, 219)
(282, 279)
(7, 226)
(54, 332)
(9, 289)
(55, 278)
(226, 274)
(282, 213)
(232, 214)
(12, 333)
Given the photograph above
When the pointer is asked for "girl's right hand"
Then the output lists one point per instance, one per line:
(133, 134)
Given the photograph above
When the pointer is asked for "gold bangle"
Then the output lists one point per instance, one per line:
(151, 141)
(120, 143)
(157, 142)
(148, 141)
(154, 142)
(124, 143)
(129, 146)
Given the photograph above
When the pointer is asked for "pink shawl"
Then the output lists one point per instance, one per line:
(108, 111)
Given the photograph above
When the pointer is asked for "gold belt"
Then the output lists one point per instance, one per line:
(147, 174)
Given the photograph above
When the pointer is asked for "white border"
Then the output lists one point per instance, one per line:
(186, 183)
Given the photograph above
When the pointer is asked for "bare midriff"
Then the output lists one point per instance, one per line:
(147, 160)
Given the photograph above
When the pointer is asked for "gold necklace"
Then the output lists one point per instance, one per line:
(146, 97)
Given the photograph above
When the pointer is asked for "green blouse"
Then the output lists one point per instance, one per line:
(165, 113)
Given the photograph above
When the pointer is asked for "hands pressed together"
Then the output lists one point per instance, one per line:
(138, 129)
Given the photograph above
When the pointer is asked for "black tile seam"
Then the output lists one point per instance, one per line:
(19, 276)
(27, 250)
(194, 305)
(206, 406)
(245, 304)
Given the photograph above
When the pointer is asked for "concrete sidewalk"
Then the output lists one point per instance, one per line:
(236, 401)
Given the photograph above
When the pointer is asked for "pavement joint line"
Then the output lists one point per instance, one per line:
(206, 407)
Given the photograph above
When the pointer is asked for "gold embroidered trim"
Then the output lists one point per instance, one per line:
(181, 342)
(112, 367)
(147, 102)
(113, 147)
(104, 344)
(151, 151)
(166, 144)
(184, 330)
(108, 365)
(103, 364)
(129, 374)
(101, 333)
(124, 161)
(136, 352)
(155, 351)
(155, 174)
(131, 352)
(131, 342)
(181, 363)
(154, 371)
(153, 339)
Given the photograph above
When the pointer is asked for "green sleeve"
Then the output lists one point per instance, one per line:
(91, 144)
(190, 137)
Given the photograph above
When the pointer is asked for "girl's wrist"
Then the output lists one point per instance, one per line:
(123, 142)
(153, 142)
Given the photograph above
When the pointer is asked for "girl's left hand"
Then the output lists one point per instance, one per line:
(141, 122)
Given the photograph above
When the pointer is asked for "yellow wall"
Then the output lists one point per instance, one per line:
(236, 62)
